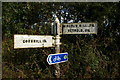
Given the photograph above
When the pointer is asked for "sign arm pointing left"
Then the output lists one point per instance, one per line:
(33, 41)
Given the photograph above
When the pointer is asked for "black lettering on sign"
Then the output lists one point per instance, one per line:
(28, 41)
(37, 41)
(72, 30)
(72, 25)
(44, 41)
(66, 26)
(87, 30)
(68, 30)
(31, 41)
(76, 25)
(92, 25)
(84, 25)
(24, 41)
(80, 25)
(81, 30)
(77, 30)
(34, 41)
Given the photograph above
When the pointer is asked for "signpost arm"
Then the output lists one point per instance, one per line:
(57, 48)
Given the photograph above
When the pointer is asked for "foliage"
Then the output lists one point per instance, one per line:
(90, 56)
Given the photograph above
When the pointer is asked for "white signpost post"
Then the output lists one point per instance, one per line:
(33, 41)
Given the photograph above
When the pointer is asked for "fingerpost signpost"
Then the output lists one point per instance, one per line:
(57, 28)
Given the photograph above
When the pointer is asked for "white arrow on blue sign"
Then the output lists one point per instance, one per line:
(57, 58)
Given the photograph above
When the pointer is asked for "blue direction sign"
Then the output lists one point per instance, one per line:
(57, 58)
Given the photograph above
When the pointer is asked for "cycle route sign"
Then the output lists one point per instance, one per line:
(57, 58)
